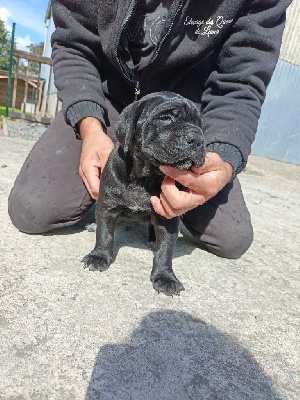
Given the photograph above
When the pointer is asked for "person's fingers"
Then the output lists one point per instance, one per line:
(171, 191)
(174, 198)
(171, 211)
(96, 149)
(201, 184)
(207, 184)
(180, 199)
(85, 181)
(94, 182)
(162, 206)
(185, 177)
(213, 162)
(105, 150)
(89, 171)
(158, 207)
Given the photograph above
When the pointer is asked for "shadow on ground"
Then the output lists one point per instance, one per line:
(172, 355)
(128, 232)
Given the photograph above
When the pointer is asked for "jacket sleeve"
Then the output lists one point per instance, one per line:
(236, 87)
(76, 62)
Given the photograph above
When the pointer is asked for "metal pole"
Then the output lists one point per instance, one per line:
(10, 67)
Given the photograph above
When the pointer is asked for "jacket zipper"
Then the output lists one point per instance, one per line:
(137, 91)
(137, 83)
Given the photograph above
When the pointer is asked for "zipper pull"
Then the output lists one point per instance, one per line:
(137, 91)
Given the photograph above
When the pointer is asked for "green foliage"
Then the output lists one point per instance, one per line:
(36, 48)
(34, 67)
(4, 47)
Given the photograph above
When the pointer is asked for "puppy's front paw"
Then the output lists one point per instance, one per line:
(167, 284)
(151, 245)
(96, 261)
(92, 227)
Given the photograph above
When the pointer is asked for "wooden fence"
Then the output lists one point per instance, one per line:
(36, 82)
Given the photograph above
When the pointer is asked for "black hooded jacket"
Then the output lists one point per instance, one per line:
(220, 54)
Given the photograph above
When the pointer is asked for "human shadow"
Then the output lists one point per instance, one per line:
(172, 355)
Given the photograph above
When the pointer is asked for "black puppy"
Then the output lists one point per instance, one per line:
(160, 129)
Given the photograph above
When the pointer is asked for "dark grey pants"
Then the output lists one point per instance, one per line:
(49, 193)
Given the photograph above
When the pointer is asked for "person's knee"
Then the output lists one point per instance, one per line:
(232, 245)
(26, 214)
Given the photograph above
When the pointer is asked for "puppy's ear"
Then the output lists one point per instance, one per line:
(125, 126)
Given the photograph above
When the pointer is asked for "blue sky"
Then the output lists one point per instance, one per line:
(29, 16)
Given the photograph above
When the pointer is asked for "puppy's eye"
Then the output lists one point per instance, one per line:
(166, 118)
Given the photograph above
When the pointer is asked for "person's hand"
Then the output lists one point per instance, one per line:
(201, 184)
(96, 148)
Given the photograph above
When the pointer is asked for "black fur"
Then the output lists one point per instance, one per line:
(160, 129)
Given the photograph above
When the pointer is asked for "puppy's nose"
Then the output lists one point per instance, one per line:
(195, 141)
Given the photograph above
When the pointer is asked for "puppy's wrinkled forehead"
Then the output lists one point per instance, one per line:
(171, 103)
(175, 108)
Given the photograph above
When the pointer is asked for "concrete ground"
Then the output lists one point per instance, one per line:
(67, 333)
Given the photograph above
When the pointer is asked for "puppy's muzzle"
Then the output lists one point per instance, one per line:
(194, 147)
(194, 141)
